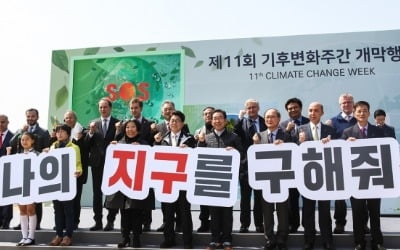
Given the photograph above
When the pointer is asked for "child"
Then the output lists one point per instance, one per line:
(27, 212)
(64, 210)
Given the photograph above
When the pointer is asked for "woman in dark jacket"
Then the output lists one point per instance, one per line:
(131, 209)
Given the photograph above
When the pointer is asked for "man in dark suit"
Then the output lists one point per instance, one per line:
(245, 128)
(6, 212)
(276, 135)
(294, 106)
(316, 131)
(362, 207)
(380, 117)
(106, 127)
(167, 108)
(43, 141)
(339, 123)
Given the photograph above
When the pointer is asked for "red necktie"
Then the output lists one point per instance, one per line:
(364, 132)
(1, 140)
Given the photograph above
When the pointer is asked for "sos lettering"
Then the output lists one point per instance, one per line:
(128, 90)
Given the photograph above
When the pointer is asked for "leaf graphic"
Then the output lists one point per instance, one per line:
(198, 64)
(119, 49)
(61, 96)
(91, 51)
(60, 59)
(151, 49)
(188, 51)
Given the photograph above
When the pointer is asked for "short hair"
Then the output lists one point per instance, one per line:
(212, 108)
(106, 99)
(251, 100)
(276, 111)
(136, 100)
(295, 100)
(30, 135)
(180, 114)
(137, 124)
(168, 102)
(220, 111)
(379, 112)
(64, 127)
(32, 110)
(73, 114)
(361, 103)
(344, 95)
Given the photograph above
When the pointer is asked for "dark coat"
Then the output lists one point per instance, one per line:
(121, 201)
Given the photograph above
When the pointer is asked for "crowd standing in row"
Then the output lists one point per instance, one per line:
(251, 128)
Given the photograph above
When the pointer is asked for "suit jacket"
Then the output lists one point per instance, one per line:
(325, 131)
(354, 131)
(242, 129)
(6, 143)
(43, 140)
(110, 135)
(294, 132)
(388, 131)
(280, 135)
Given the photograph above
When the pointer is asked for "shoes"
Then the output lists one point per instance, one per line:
(21, 242)
(124, 243)
(6, 225)
(17, 227)
(161, 228)
(212, 246)
(293, 229)
(367, 230)
(66, 241)
(328, 246)
(96, 227)
(146, 228)
(227, 246)
(28, 242)
(178, 228)
(55, 241)
(136, 241)
(187, 246)
(282, 247)
(204, 227)
(109, 226)
(378, 247)
(259, 229)
(269, 245)
(308, 246)
(167, 244)
(339, 229)
(243, 229)
(359, 247)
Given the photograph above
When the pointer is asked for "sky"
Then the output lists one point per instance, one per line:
(31, 29)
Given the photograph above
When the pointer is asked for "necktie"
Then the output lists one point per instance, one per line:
(315, 133)
(1, 140)
(363, 132)
(297, 122)
(30, 129)
(168, 129)
(252, 127)
(348, 118)
(173, 140)
(270, 138)
(105, 127)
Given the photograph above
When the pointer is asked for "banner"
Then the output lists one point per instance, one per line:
(224, 73)
(45, 177)
(209, 175)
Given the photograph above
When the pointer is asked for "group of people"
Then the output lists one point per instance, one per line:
(251, 128)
